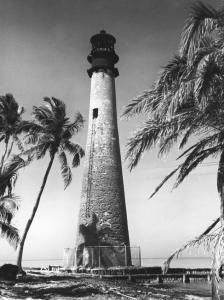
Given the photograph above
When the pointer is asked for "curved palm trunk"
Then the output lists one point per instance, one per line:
(20, 254)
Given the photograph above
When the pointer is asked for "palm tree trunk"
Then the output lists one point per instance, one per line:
(20, 254)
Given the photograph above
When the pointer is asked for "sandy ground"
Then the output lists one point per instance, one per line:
(67, 287)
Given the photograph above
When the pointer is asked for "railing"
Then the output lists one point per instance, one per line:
(101, 257)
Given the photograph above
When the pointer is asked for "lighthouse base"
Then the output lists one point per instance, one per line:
(101, 257)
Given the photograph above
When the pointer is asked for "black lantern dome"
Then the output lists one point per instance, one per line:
(102, 55)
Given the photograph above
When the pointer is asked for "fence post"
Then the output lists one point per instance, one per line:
(125, 253)
(92, 256)
(139, 256)
(99, 256)
(73, 258)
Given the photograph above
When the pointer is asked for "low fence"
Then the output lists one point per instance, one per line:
(101, 257)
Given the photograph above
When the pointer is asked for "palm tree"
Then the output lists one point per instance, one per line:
(8, 201)
(51, 132)
(187, 100)
(10, 120)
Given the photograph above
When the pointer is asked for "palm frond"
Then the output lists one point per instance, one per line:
(201, 54)
(170, 89)
(10, 233)
(11, 202)
(8, 206)
(37, 151)
(42, 149)
(161, 97)
(9, 172)
(77, 158)
(29, 127)
(203, 19)
(207, 72)
(57, 107)
(44, 115)
(74, 127)
(142, 140)
(193, 160)
(5, 214)
(31, 138)
(202, 238)
(139, 105)
(164, 181)
(152, 133)
(187, 135)
(167, 143)
(65, 170)
(203, 143)
(73, 148)
(172, 73)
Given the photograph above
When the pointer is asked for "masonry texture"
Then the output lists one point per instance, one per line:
(102, 216)
(103, 190)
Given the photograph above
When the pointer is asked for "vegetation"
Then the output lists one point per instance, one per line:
(8, 201)
(10, 120)
(51, 132)
(186, 101)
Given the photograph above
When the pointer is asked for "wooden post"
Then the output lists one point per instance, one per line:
(73, 258)
(186, 278)
(99, 257)
(139, 256)
(125, 253)
(92, 256)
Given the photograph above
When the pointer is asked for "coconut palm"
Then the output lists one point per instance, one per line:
(10, 119)
(51, 132)
(186, 101)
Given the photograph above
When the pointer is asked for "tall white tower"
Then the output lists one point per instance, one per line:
(102, 217)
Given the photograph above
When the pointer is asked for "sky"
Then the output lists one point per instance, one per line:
(43, 50)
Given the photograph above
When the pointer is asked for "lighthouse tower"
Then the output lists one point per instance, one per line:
(102, 216)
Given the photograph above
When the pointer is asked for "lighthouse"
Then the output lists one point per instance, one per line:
(102, 226)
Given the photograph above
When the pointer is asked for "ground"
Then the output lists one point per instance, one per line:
(68, 287)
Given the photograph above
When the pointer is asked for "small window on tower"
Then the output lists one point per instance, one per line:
(95, 113)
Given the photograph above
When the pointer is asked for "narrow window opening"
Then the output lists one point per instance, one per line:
(95, 113)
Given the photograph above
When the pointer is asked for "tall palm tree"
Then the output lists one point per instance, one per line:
(188, 100)
(51, 132)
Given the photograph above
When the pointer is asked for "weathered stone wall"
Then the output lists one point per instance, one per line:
(102, 217)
